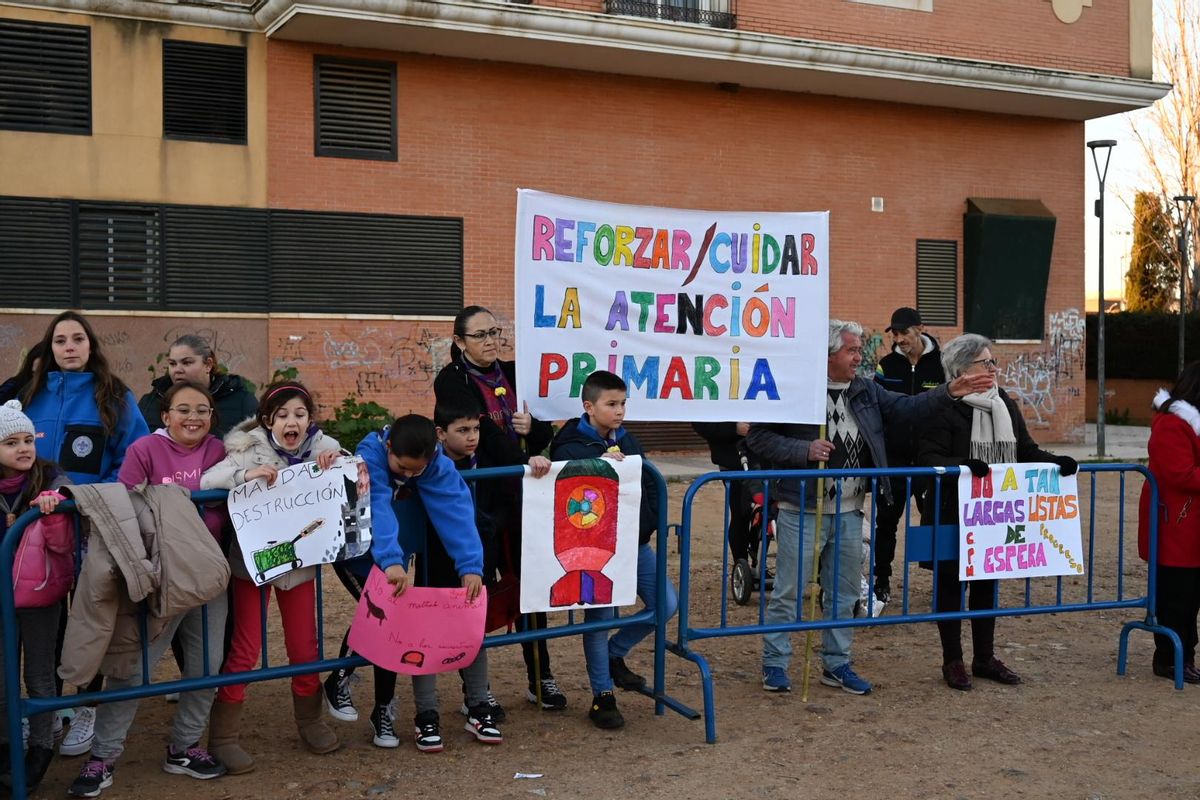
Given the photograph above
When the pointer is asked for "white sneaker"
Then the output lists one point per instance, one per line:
(80, 734)
(172, 697)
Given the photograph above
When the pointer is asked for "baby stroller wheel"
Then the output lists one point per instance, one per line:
(741, 582)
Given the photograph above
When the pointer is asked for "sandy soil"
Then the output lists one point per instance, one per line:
(1074, 729)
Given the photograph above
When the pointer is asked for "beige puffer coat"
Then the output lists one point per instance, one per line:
(247, 446)
(146, 547)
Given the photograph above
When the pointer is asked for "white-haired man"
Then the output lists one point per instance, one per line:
(856, 409)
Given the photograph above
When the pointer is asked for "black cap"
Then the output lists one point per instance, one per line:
(903, 319)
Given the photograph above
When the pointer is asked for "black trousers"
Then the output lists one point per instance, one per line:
(1178, 599)
(741, 538)
(887, 521)
(980, 595)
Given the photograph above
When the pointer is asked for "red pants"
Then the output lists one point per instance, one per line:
(298, 609)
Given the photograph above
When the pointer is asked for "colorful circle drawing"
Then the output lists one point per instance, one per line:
(585, 506)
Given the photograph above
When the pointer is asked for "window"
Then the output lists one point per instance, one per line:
(937, 281)
(119, 259)
(355, 109)
(322, 261)
(716, 13)
(45, 77)
(204, 92)
(36, 255)
(68, 253)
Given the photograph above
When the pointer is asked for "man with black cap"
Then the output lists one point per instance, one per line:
(913, 366)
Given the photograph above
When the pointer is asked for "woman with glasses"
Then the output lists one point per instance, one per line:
(981, 429)
(190, 358)
(509, 434)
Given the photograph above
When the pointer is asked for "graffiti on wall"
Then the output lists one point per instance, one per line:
(1036, 378)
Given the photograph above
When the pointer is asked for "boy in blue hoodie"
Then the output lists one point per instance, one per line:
(402, 459)
(598, 434)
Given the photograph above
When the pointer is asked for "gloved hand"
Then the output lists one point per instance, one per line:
(979, 469)
(1066, 465)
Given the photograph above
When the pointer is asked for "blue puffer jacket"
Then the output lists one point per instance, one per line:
(70, 433)
(446, 500)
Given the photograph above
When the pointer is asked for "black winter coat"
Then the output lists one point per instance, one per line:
(454, 385)
(235, 402)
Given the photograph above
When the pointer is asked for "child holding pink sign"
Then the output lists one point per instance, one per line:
(403, 458)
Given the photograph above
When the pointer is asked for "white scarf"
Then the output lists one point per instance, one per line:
(992, 438)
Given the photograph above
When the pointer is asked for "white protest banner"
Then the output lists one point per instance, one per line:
(1020, 521)
(309, 516)
(579, 541)
(707, 315)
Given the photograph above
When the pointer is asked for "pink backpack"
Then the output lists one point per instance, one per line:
(44, 565)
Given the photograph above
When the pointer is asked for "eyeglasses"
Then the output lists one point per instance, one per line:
(490, 333)
(199, 412)
(987, 362)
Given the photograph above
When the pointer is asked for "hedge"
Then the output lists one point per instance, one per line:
(1142, 344)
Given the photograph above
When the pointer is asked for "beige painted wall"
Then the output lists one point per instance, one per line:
(126, 157)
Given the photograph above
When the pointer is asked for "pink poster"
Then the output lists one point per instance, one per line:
(422, 632)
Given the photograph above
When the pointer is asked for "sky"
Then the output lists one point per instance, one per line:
(1126, 174)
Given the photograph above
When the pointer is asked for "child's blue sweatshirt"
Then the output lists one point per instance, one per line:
(447, 502)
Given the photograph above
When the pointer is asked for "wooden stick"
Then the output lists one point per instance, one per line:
(812, 601)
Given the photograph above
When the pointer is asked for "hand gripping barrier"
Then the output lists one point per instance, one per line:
(921, 544)
(18, 706)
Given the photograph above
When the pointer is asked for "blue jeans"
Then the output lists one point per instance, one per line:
(598, 648)
(793, 568)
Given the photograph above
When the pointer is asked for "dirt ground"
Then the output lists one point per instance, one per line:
(1074, 729)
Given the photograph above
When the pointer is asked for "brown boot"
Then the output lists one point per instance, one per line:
(314, 733)
(224, 725)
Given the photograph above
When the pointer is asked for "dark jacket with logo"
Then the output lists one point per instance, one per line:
(897, 374)
(69, 430)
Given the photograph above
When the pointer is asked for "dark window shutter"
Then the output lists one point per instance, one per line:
(937, 281)
(355, 109)
(366, 263)
(215, 259)
(119, 263)
(45, 77)
(35, 253)
(204, 92)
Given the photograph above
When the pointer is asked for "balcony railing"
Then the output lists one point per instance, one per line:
(714, 13)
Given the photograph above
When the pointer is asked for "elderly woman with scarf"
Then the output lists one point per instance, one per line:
(982, 429)
(510, 435)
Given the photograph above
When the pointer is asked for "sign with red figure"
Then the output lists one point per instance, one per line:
(580, 535)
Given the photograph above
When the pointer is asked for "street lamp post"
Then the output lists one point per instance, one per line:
(1183, 208)
(1106, 145)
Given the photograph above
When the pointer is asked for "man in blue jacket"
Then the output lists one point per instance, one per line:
(856, 409)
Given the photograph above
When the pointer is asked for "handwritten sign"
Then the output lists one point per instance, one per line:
(310, 516)
(422, 632)
(707, 315)
(580, 542)
(1020, 521)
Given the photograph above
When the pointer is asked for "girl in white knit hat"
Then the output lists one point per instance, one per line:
(43, 569)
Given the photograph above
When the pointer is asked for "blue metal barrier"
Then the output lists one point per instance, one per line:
(940, 542)
(18, 706)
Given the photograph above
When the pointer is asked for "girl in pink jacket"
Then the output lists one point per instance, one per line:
(43, 568)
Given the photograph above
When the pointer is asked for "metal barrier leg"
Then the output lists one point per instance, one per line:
(706, 684)
(1176, 643)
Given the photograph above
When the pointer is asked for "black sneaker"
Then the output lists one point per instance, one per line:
(428, 732)
(623, 676)
(482, 724)
(381, 724)
(604, 712)
(552, 697)
(339, 700)
(497, 710)
(95, 777)
(194, 761)
(883, 590)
